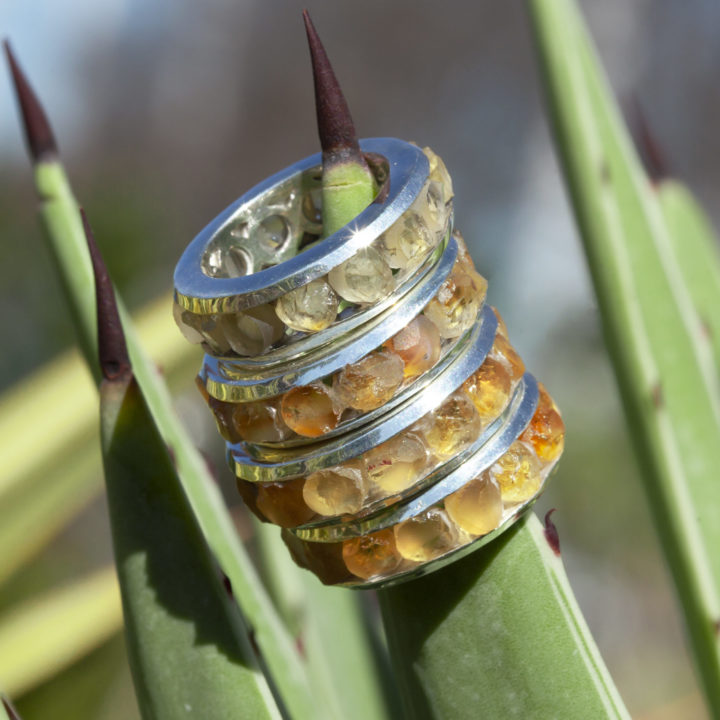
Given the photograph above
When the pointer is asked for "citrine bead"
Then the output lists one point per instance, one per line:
(260, 421)
(439, 174)
(309, 410)
(397, 463)
(339, 490)
(502, 327)
(503, 350)
(365, 278)
(371, 555)
(489, 388)
(452, 427)
(370, 382)
(407, 242)
(425, 536)
(309, 308)
(282, 503)
(252, 331)
(517, 473)
(477, 507)
(418, 345)
(454, 308)
(546, 431)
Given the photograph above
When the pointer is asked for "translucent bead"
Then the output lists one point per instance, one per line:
(546, 431)
(251, 332)
(371, 555)
(504, 351)
(396, 464)
(426, 536)
(205, 329)
(340, 490)
(323, 559)
(309, 308)
(452, 427)
(406, 243)
(283, 503)
(309, 410)
(418, 344)
(517, 473)
(502, 327)
(222, 412)
(272, 232)
(455, 306)
(364, 278)
(477, 507)
(188, 324)
(260, 421)
(464, 257)
(489, 388)
(439, 174)
(465, 262)
(370, 382)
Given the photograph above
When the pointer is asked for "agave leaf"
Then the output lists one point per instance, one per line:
(695, 246)
(46, 482)
(497, 634)
(48, 633)
(654, 334)
(188, 647)
(59, 211)
(329, 626)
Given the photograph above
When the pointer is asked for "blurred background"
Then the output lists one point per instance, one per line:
(166, 111)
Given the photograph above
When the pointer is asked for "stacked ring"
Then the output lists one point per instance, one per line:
(372, 404)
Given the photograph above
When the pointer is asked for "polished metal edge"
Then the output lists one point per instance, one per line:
(408, 168)
(302, 344)
(441, 482)
(258, 384)
(261, 464)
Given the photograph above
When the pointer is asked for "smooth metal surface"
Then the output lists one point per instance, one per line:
(200, 293)
(237, 381)
(441, 482)
(261, 464)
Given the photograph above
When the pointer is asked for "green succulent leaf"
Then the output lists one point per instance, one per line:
(497, 634)
(187, 643)
(651, 319)
(695, 246)
(65, 233)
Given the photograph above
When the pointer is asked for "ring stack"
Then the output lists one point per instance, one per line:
(371, 402)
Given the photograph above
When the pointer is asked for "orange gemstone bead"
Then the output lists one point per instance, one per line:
(309, 410)
(425, 536)
(450, 428)
(283, 504)
(489, 388)
(339, 490)
(476, 507)
(260, 421)
(502, 349)
(454, 308)
(502, 327)
(517, 473)
(546, 431)
(396, 464)
(370, 382)
(418, 345)
(371, 555)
